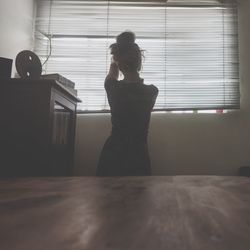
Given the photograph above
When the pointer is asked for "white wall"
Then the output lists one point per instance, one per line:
(184, 143)
(16, 27)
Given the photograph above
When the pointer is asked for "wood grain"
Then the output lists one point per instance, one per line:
(132, 213)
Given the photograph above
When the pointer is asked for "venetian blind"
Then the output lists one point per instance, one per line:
(191, 48)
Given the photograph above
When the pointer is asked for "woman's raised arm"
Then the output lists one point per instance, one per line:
(113, 73)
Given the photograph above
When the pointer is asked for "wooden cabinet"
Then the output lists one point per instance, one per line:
(37, 128)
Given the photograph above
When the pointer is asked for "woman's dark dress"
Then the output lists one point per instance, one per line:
(126, 151)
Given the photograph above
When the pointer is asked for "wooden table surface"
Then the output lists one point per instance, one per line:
(130, 213)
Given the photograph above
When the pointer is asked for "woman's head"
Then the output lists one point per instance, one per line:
(126, 52)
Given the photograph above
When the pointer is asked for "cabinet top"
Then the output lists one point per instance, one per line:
(46, 82)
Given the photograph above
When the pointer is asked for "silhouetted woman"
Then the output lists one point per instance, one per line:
(125, 152)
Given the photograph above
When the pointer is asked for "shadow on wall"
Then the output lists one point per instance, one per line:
(91, 132)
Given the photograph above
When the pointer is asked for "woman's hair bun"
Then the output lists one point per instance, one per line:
(126, 38)
(126, 52)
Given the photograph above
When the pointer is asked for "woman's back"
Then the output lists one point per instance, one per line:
(131, 104)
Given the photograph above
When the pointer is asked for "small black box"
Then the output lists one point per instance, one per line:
(5, 67)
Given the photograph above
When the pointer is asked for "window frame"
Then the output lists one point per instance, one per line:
(108, 37)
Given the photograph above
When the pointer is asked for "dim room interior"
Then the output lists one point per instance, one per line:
(216, 144)
(195, 197)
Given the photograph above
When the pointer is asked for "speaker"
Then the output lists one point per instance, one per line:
(5, 67)
(28, 65)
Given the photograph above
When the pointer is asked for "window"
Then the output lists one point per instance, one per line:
(191, 48)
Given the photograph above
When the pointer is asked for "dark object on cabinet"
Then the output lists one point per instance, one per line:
(5, 67)
(38, 127)
(244, 171)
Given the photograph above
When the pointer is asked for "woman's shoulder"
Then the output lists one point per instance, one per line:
(152, 88)
(109, 83)
(110, 80)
